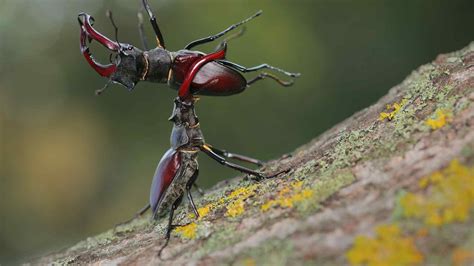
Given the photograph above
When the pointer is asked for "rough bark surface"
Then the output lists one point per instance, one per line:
(359, 186)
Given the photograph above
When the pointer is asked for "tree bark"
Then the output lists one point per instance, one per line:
(371, 182)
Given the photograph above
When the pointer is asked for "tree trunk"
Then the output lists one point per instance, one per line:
(394, 183)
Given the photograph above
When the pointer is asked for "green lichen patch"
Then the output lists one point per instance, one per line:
(223, 236)
(65, 261)
(98, 240)
(404, 122)
(330, 183)
(468, 152)
(134, 225)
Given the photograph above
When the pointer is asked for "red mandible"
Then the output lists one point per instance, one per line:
(184, 89)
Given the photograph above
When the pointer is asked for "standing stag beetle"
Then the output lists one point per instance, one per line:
(192, 73)
(178, 168)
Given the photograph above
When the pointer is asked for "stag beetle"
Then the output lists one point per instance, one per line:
(178, 168)
(131, 65)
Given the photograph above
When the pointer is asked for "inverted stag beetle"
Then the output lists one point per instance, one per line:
(192, 73)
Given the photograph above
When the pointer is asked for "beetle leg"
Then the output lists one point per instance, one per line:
(190, 198)
(239, 157)
(159, 37)
(189, 185)
(170, 224)
(220, 34)
(255, 68)
(208, 150)
(137, 214)
(264, 75)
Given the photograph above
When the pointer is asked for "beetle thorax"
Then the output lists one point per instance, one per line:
(157, 65)
(184, 113)
(186, 133)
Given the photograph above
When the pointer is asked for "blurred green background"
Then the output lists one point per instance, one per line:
(73, 164)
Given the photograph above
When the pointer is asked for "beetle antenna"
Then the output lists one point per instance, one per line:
(108, 13)
(101, 90)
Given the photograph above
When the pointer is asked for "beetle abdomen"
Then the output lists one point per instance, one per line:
(212, 79)
(167, 169)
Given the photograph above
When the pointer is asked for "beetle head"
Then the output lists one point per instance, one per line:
(127, 64)
(183, 112)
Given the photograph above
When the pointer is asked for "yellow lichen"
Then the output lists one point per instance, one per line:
(203, 211)
(297, 184)
(242, 192)
(434, 178)
(462, 256)
(393, 108)
(235, 208)
(249, 262)
(388, 247)
(235, 200)
(188, 231)
(288, 196)
(449, 199)
(424, 182)
(266, 206)
(440, 120)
